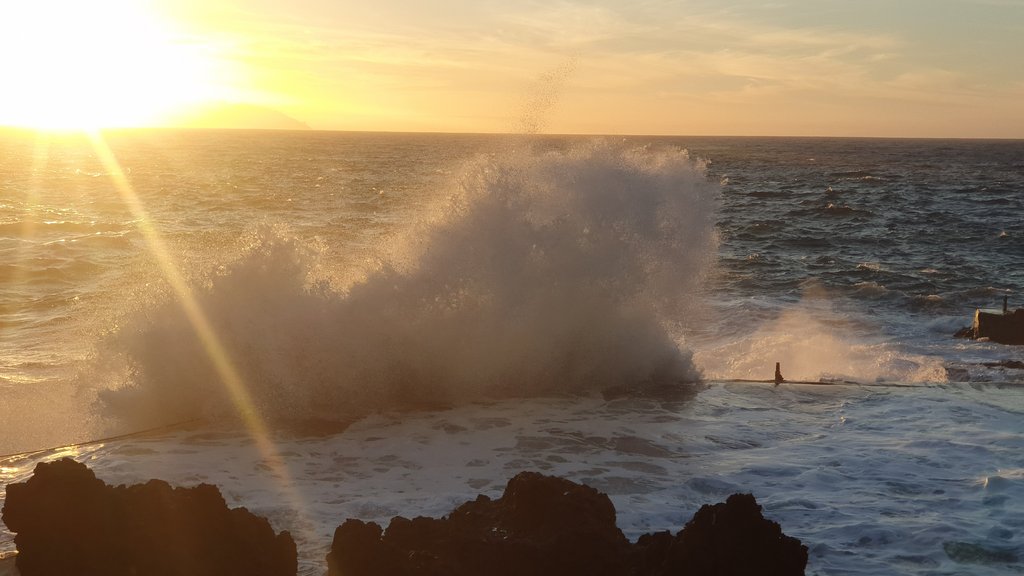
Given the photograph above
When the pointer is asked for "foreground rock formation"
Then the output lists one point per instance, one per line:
(69, 522)
(723, 539)
(545, 525)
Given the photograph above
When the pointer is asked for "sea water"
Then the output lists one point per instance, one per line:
(341, 325)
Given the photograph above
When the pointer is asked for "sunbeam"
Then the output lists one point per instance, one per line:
(204, 331)
(40, 156)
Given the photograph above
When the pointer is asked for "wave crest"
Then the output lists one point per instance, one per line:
(546, 273)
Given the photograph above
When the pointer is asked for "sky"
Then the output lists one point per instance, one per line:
(906, 68)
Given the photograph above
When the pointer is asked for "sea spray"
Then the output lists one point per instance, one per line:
(547, 273)
(814, 340)
(542, 97)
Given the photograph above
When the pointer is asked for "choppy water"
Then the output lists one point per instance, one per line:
(494, 286)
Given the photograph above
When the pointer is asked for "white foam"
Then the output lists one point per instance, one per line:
(813, 340)
(871, 479)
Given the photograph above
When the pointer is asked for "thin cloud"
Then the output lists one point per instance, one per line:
(766, 55)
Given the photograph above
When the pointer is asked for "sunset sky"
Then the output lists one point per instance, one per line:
(947, 68)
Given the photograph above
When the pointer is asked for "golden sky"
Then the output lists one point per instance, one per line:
(945, 68)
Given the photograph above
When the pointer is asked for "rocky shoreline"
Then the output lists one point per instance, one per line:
(69, 522)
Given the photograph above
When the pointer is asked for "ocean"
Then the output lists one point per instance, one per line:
(330, 325)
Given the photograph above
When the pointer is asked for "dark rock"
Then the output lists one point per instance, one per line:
(69, 522)
(732, 539)
(650, 552)
(551, 526)
(1013, 364)
(541, 525)
(965, 332)
(968, 553)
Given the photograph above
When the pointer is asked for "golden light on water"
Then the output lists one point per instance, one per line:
(216, 351)
(82, 66)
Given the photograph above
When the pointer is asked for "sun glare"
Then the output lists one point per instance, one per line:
(69, 65)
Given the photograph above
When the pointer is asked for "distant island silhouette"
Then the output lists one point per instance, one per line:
(235, 115)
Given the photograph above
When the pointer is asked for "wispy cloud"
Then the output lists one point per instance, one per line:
(425, 56)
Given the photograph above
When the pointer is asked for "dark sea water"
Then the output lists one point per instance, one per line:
(378, 324)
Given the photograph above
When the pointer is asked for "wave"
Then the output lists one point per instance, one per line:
(813, 344)
(830, 210)
(545, 273)
(22, 227)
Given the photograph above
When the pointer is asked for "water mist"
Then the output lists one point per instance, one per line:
(545, 273)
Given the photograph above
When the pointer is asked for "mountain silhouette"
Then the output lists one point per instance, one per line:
(236, 115)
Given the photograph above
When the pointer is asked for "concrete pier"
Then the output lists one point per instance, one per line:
(1004, 326)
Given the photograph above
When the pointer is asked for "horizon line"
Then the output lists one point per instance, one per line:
(85, 131)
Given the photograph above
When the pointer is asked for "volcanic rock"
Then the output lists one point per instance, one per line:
(727, 539)
(546, 525)
(541, 525)
(69, 522)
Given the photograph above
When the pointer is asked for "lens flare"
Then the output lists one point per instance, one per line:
(225, 368)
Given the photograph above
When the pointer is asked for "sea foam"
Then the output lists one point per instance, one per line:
(544, 272)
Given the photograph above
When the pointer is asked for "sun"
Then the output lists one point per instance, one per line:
(72, 64)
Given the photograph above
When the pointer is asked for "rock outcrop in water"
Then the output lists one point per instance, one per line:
(69, 522)
(731, 538)
(546, 525)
